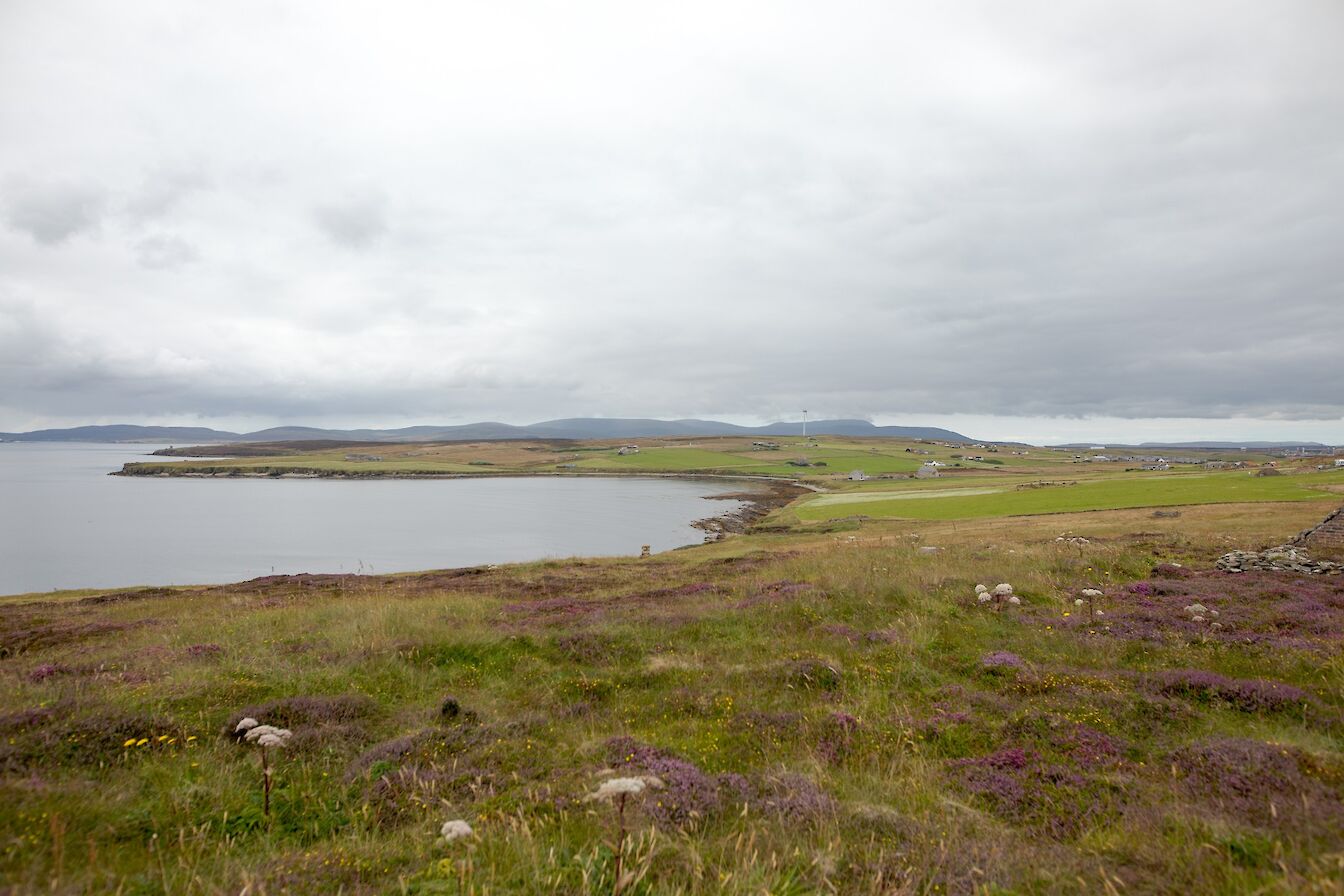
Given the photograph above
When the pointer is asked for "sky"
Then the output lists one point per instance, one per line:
(1056, 221)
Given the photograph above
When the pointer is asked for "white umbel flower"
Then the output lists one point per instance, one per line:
(270, 740)
(980, 589)
(245, 725)
(255, 734)
(455, 830)
(1014, 599)
(613, 788)
(983, 597)
(1003, 589)
(1091, 592)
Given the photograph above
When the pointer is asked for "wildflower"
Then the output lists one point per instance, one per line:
(1092, 592)
(617, 791)
(1003, 589)
(1196, 610)
(265, 737)
(980, 589)
(983, 597)
(255, 735)
(455, 830)
(130, 742)
(1078, 602)
(1014, 599)
(613, 788)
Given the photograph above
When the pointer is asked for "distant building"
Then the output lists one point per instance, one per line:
(1160, 465)
(628, 449)
(1340, 462)
(857, 476)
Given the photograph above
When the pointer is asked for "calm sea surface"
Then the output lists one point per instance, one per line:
(64, 523)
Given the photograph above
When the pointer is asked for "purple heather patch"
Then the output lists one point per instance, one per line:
(1245, 694)
(1087, 746)
(46, 670)
(690, 794)
(1266, 608)
(838, 733)
(1002, 659)
(1264, 784)
(1061, 799)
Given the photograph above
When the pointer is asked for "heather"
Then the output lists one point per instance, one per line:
(821, 713)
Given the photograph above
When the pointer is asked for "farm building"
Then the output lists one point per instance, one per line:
(628, 449)
(857, 476)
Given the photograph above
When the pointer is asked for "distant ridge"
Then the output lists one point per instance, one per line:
(573, 428)
(1214, 445)
(120, 432)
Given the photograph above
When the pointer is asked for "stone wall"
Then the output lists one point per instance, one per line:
(1327, 538)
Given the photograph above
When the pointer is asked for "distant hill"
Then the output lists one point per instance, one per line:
(121, 432)
(1218, 446)
(575, 428)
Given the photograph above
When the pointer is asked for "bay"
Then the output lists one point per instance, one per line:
(65, 523)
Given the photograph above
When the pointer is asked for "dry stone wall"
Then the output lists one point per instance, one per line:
(1327, 537)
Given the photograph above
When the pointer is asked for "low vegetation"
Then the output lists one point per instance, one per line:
(811, 709)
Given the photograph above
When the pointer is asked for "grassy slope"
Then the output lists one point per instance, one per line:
(837, 680)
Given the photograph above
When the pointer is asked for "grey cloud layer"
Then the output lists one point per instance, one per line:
(737, 210)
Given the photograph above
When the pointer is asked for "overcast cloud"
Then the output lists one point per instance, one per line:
(1028, 214)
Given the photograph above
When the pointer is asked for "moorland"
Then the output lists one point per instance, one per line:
(823, 703)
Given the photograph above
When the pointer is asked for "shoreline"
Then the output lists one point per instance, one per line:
(770, 492)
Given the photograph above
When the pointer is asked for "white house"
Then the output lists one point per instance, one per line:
(628, 449)
(857, 476)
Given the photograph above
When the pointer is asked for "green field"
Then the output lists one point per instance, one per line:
(664, 459)
(1098, 494)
